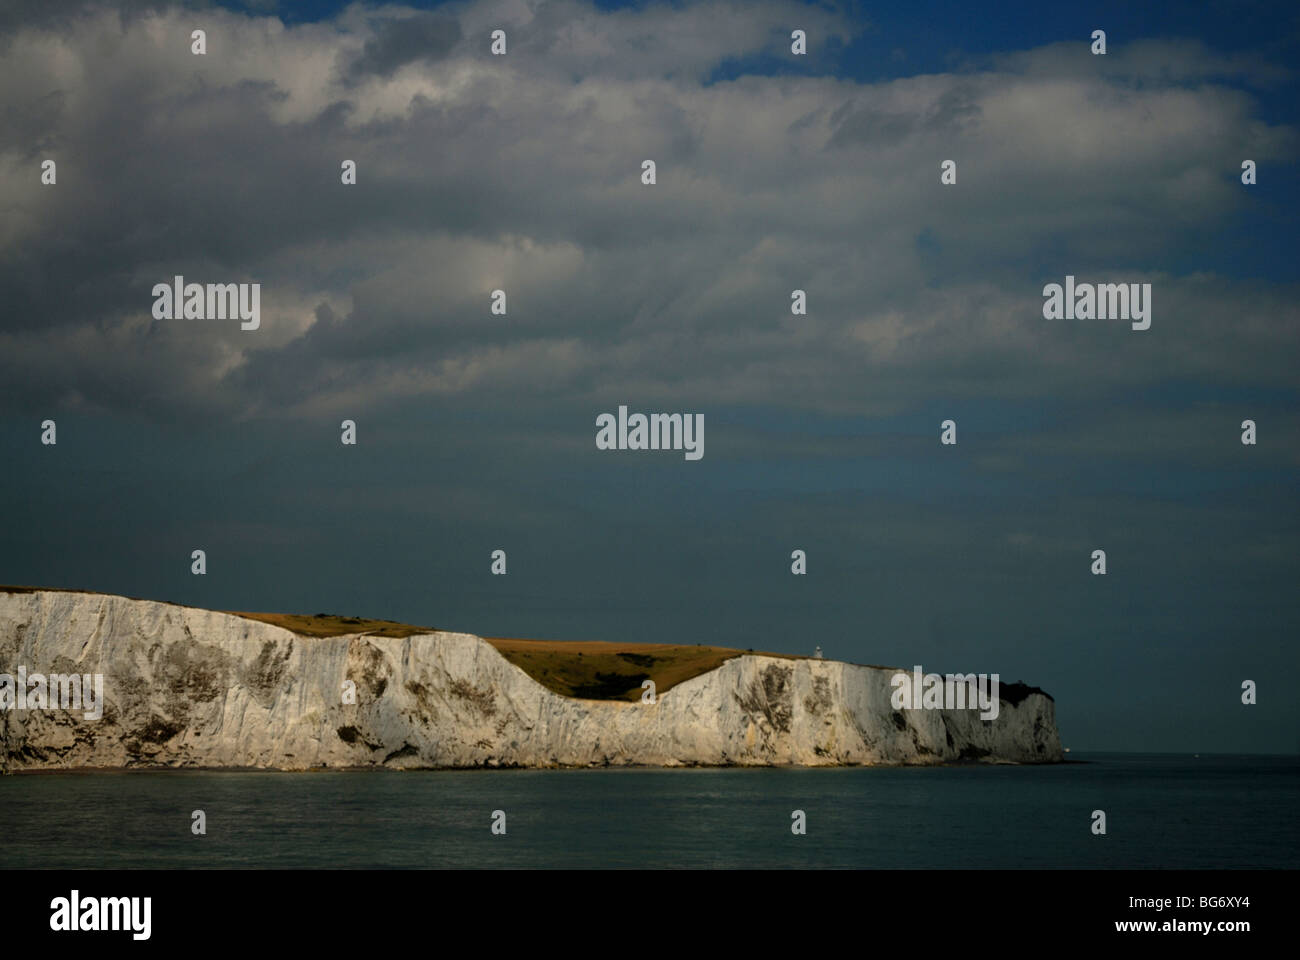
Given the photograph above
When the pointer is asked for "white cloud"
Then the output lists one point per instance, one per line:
(522, 172)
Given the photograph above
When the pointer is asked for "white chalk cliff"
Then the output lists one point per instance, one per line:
(185, 687)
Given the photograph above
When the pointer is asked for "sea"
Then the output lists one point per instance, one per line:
(1160, 811)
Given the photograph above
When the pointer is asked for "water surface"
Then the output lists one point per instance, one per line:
(1162, 811)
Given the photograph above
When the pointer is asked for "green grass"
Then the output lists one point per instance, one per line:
(601, 670)
(587, 670)
(333, 625)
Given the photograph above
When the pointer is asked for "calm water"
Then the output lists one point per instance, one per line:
(1162, 811)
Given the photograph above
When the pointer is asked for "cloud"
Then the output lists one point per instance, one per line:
(521, 173)
(424, 37)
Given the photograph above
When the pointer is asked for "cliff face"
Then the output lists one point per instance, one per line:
(191, 687)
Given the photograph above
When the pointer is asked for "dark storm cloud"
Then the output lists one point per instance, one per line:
(19, 14)
(425, 37)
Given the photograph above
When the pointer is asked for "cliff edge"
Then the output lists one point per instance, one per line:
(187, 687)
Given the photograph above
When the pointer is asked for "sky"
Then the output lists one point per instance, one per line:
(774, 172)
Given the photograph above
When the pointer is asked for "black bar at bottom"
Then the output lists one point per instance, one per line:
(620, 910)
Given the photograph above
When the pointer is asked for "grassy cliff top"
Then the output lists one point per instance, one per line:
(597, 670)
(589, 670)
(333, 625)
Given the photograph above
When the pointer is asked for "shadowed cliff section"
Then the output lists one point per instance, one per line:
(613, 671)
(586, 670)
